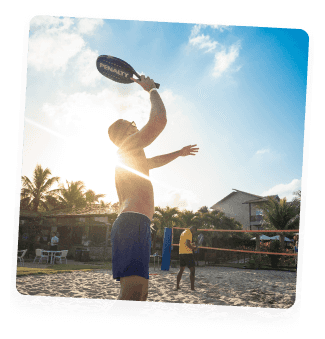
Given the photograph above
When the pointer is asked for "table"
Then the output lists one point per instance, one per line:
(154, 260)
(51, 254)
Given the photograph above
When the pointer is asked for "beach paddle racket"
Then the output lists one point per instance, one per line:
(200, 239)
(116, 69)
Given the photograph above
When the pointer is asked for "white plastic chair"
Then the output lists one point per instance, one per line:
(41, 254)
(21, 257)
(61, 255)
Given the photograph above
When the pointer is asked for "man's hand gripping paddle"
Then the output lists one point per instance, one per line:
(116, 69)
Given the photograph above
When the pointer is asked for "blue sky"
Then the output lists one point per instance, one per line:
(239, 93)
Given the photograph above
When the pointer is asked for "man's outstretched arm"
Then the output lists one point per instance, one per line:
(162, 160)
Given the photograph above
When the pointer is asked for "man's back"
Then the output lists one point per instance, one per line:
(186, 235)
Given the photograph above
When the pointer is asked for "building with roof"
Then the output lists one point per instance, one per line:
(87, 227)
(243, 207)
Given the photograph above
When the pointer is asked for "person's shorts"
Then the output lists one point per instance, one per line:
(186, 260)
(131, 245)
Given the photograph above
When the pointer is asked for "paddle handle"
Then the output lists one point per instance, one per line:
(157, 85)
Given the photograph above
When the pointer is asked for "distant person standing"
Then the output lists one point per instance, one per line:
(200, 239)
(54, 243)
(186, 257)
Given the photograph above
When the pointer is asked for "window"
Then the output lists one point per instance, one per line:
(259, 212)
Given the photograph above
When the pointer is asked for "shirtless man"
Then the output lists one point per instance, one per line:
(130, 236)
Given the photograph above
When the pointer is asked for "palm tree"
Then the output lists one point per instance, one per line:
(164, 217)
(115, 207)
(36, 194)
(156, 229)
(204, 209)
(167, 216)
(185, 218)
(215, 220)
(92, 197)
(105, 204)
(297, 196)
(73, 195)
(280, 215)
(296, 202)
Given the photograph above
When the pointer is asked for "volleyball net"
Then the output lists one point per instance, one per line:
(238, 231)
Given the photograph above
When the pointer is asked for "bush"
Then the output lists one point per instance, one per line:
(254, 262)
(287, 260)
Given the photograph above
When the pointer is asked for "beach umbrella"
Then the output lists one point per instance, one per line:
(277, 237)
(262, 237)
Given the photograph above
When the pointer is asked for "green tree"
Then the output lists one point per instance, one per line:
(217, 220)
(36, 194)
(204, 209)
(167, 216)
(185, 218)
(105, 204)
(280, 215)
(294, 223)
(202, 218)
(92, 197)
(156, 229)
(164, 217)
(115, 207)
(297, 196)
(73, 195)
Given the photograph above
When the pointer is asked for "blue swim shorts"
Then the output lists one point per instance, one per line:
(131, 245)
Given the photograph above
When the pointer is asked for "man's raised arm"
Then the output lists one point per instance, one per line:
(158, 111)
(157, 119)
(162, 160)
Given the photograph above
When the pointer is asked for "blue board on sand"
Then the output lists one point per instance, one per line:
(166, 251)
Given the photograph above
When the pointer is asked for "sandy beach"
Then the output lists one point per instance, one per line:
(214, 286)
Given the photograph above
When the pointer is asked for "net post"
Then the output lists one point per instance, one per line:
(258, 247)
(166, 251)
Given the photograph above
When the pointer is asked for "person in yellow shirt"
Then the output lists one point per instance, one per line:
(186, 257)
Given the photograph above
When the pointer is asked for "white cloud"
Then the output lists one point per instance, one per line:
(201, 41)
(221, 28)
(55, 41)
(225, 56)
(284, 190)
(262, 151)
(196, 30)
(53, 49)
(223, 59)
(44, 22)
(183, 199)
(79, 112)
(204, 42)
(88, 26)
(83, 111)
(86, 71)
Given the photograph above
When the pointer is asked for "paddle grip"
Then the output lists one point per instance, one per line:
(157, 85)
